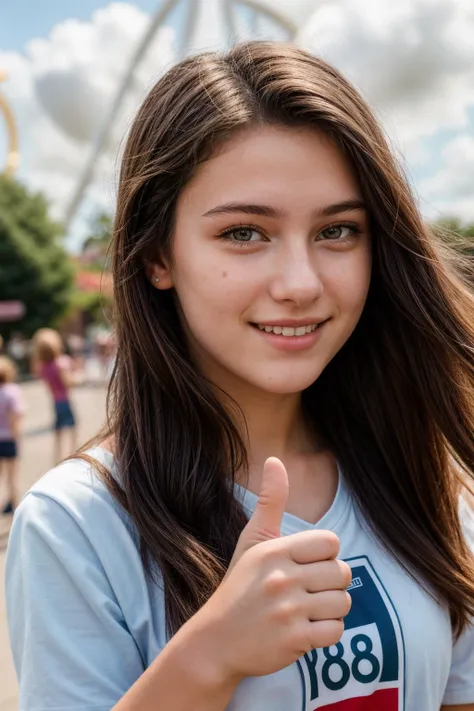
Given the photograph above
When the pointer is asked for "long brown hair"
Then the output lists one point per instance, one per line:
(395, 405)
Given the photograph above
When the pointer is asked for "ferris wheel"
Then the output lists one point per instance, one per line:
(13, 155)
(240, 19)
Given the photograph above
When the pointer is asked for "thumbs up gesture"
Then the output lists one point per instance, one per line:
(266, 520)
(281, 596)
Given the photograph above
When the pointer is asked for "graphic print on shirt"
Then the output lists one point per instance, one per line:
(365, 670)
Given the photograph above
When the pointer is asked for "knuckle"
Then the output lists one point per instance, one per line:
(334, 632)
(330, 543)
(277, 582)
(285, 612)
(262, 547)
(263, 554)
(343, 602)
(346, 573)
(348, 600)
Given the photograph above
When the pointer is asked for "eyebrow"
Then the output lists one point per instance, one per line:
(268, 211)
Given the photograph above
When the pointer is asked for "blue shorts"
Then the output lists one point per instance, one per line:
(64, 415)
(8, 449)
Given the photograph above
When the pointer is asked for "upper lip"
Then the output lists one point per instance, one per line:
(294, 322)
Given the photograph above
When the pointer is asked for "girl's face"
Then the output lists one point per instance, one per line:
(271, 259)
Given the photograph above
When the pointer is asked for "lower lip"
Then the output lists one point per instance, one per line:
(292, 343)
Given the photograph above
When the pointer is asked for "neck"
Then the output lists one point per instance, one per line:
(275, 427)
(272, 425)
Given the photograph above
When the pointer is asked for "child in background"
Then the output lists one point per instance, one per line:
(56, 368)
(11, 411)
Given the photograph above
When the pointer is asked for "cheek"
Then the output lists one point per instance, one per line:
(214, 281)
(349, 284)
(212, 300)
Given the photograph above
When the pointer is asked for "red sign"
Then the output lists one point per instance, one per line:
(11, 310)
(100, 282)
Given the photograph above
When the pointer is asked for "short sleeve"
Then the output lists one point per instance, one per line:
(71, 647)
(460, 687)
(15, 400)
(65, 363)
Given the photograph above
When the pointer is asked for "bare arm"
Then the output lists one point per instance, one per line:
(67, 376)
(14, 419)
(462, 707)
(181, 677)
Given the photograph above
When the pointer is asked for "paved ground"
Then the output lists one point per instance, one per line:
(37, 449)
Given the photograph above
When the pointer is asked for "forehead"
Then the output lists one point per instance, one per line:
(291, 168)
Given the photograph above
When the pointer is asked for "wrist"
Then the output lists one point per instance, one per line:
(203, 650)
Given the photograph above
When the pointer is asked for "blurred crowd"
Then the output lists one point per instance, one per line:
(61, 364)
(97, 347)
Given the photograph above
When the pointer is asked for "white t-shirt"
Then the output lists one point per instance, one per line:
(85, 621)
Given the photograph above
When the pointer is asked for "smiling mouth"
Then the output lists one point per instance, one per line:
(289, 331)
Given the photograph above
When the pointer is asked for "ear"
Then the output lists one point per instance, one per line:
(159, 275)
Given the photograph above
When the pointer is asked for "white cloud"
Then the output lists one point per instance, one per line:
(451, 189)
(60, 89)
(296, 12)
(413, 59)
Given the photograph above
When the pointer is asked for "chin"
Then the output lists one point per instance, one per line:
(288, 384)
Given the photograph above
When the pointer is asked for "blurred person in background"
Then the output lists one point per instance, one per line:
(50, 363)
(17, 348)
(11, 412)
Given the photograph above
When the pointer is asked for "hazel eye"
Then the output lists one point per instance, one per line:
(244, 234)
(337, 232)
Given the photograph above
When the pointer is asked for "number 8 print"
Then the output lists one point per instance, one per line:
(368, 662)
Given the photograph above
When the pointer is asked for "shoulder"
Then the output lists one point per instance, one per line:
(69, 527)
(74, 491)
(17, 393)
(75, 590)
(12, 391)
(70, 481)
(63, 362)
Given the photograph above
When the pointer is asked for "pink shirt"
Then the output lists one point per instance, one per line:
(50, 372)
(11, 402)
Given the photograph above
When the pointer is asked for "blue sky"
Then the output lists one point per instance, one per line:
(22, 20)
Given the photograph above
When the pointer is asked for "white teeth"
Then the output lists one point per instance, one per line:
(289, 330)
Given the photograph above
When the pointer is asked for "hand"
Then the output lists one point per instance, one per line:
(281, 596)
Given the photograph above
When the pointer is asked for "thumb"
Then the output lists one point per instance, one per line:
(265, 522)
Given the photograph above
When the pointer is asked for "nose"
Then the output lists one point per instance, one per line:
(296, 279)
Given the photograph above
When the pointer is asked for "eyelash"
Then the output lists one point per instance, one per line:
(227, 233)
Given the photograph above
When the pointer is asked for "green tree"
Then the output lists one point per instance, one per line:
(456, 232)
(34, 266)
(96, 246)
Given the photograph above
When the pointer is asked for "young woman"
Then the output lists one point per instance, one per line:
(57, 370)
(273, 518)
(12, 409)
